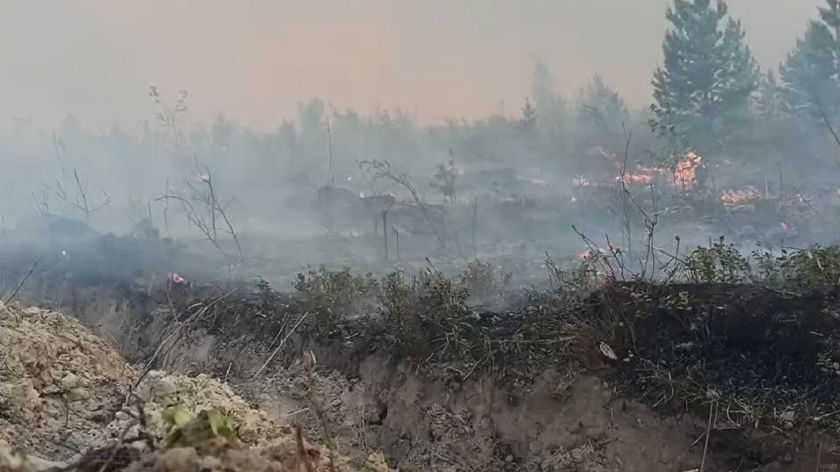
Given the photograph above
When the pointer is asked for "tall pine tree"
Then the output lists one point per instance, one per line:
(811, 74)
(770, 100)
(708, 74)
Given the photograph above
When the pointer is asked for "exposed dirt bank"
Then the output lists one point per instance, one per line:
(556, 417)
(69, 401)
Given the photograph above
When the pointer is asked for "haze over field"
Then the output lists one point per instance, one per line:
(256, 59)
(469, 130)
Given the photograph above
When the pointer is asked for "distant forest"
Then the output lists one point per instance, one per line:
(709, 96)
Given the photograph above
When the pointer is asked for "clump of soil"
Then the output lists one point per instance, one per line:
(68, 398)
(211, 455)
(59, 384)
(159, 390)
(285, 454)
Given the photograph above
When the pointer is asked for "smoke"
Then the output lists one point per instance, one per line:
(82, 139)
(256, 59)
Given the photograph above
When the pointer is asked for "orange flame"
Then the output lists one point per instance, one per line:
(686, 171)
(736, 197)
(683, 177)
(636, 178)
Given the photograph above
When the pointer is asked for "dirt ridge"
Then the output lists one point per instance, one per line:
(460, 419)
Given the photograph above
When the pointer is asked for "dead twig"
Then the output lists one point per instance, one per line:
(25, 278)
(302, 452)
(175, 336)
(207, 199)
(382, 169)
(282, 343)
(227, 372)
(119, 454)
(81, 201)
(309, 359)
(712, 414)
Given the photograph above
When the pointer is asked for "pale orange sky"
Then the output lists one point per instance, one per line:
(256, 59)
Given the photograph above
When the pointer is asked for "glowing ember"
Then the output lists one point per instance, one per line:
(581, 181)
(177, 279)
(686, 170)
(745, 195)
(636, 178)
(584, 255)
(683, 177)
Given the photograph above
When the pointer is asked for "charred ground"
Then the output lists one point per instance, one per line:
(752, 339)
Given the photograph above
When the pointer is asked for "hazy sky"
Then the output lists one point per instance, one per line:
(255, 59)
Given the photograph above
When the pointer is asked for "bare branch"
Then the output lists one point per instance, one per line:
(382, 169)
(205, 199)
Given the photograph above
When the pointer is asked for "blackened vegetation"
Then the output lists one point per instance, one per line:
(758, 351)
(762, 358)
(758, 336)
(738, 341)
(68, 256)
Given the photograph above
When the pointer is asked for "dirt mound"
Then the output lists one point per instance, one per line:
(59, 384)
(66, 395)
(210, 455)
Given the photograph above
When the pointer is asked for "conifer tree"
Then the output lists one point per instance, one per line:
(601, 108)
(770, 100)
(708, 73)
(548, 105)
(810, 74)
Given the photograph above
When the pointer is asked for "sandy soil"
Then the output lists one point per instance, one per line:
(64, 393)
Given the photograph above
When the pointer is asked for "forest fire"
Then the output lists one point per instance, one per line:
(683, 177)
(637, 178)
(741, 196)
(686, 170)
